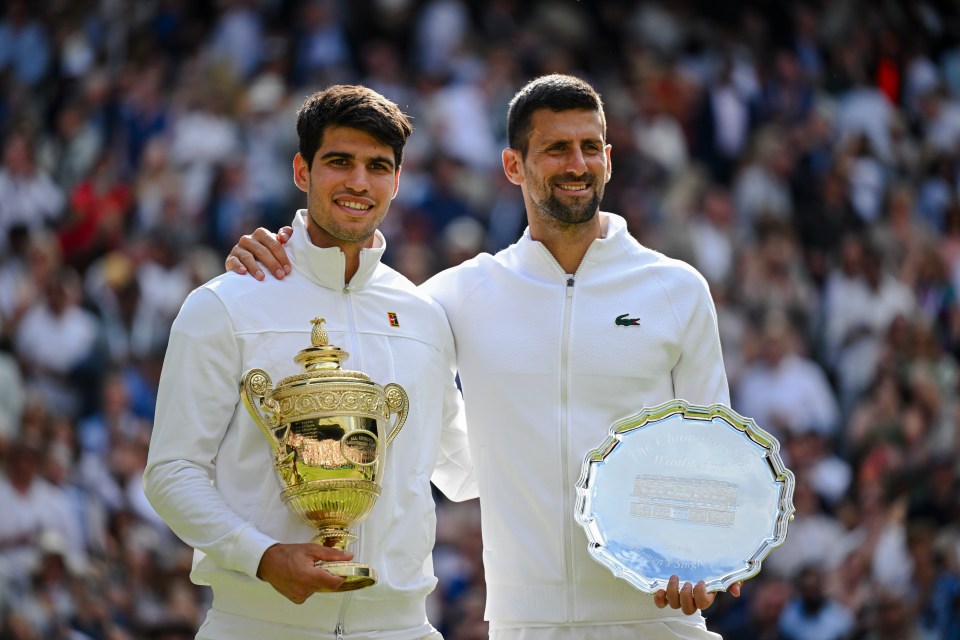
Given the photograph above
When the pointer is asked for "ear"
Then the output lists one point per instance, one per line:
(513, 165)
(607, 149)
(396, 182)
(301, 173)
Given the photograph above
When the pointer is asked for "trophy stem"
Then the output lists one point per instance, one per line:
(336, 538)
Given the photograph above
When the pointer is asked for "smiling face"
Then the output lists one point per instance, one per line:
(349, 187)
(565, 168)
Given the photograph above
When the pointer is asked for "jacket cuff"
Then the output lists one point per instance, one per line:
(248, 550)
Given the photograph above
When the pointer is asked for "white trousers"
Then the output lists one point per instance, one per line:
(224, 626)
(666, 630)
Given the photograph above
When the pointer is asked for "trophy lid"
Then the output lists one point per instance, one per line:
(322, 359)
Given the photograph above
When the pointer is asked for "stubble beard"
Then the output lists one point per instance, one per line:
(568, 214)
(344, 233)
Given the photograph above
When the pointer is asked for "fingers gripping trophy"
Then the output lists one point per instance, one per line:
(326, 428)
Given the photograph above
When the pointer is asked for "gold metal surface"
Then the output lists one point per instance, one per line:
(328, 429)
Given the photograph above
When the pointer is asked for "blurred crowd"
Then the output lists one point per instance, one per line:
(803, 155)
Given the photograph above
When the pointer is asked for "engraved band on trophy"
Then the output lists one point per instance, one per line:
(699, 492)
(326, 428)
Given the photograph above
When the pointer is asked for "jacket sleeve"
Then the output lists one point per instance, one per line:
(699, 377)
(454, 474)
(196, 400)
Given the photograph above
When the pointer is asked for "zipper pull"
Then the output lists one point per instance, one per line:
(339, 631)
(569, 286)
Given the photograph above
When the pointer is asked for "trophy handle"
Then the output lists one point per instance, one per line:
(254, 387)
(399, 403)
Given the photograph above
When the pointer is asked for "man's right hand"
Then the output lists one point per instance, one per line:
(262, 247)
(292, 569)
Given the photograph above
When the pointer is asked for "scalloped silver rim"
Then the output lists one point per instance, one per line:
(748, 427)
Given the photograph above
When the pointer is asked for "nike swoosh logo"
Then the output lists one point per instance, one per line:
(624, 321)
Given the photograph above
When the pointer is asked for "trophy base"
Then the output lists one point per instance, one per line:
(355, 575)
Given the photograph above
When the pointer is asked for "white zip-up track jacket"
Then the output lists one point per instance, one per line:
(548, 361)
(210, 471)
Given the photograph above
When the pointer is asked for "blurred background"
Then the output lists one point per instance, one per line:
(803, 155)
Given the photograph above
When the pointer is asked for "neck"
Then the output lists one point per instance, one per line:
(352, 255)
(21, 484)
(351, 250)
(568, 243)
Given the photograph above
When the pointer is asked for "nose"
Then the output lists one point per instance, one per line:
(358, 180)
(576, 162)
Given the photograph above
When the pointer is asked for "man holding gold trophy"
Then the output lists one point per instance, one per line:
(581, 327)
(270, 481)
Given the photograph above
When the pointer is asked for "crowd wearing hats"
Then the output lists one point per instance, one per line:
(804, 156)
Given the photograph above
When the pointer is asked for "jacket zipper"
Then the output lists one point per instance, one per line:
(568, 534)
(354, 352)
(338, 630)
(357, 365)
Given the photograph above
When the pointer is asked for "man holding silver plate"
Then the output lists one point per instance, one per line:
(559, 337)
(581, 326)
(270, 488)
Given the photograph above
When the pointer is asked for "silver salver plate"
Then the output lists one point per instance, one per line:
(700, 492)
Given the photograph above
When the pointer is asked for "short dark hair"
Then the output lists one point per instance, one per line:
(356, 107)
(557, 92)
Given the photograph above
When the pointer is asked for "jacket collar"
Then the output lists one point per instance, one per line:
(325, 266)
(538, 261)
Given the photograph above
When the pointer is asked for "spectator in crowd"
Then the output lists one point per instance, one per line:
(784, 390)
(761, 191)
(761, 612)
(35, 510)
(711, 236)
(822, 223)
(25, 51)
(97, 214)
(73, 150)
(28, 195)
(818, 536)
(728, 114)
(856, 324)
(812, 615)
(61, 345)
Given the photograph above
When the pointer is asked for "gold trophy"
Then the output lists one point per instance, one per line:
(326, 428)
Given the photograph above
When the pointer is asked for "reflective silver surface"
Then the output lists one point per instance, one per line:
(700, 492)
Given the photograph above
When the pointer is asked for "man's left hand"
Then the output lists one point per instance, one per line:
(689, 598)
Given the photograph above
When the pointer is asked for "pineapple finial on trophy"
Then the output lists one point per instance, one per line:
(318, 336)
(320, 354)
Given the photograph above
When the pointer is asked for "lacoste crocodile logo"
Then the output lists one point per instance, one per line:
(624, 321)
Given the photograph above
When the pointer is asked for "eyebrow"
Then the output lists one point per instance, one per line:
(349, 156)
(550, 143)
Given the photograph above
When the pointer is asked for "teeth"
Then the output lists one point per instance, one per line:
(572, 187)
(354, 205)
